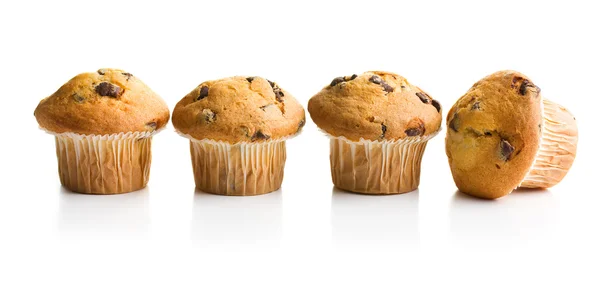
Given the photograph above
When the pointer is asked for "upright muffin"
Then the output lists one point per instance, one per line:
(103, 123)
(237, 128)
(502, 134)
(379, 125)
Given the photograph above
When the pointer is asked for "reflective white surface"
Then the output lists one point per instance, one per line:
(308, 234)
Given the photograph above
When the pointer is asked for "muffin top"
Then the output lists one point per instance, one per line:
(374, 106)
(108, 101)
(238, 109)
(494, 133)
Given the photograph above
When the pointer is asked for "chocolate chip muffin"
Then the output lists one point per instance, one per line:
(502, 134)
(103, 123)
(379, 126)
(237, 128)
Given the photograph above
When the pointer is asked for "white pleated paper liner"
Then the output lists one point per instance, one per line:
(240, 169)
(377, 167)
(558, 147)
(104, 164)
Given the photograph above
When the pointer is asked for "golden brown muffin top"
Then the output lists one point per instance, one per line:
(238, 109)
(108, 101)
(375, 106)
(494, 133)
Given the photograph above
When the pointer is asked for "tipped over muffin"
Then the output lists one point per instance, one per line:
(379, 125)
(237, 128)
(103, 123)
(502, 134)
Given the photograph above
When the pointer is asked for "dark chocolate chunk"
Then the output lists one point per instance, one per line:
(203, 93)
(128, 75)
(383, 130)
(278, 94)
(353, 77)
(375, 79)
(454, 124)
(437, 105)
(423, 97)
(271, 83)
(476, 106)
(250, 79)
(108, 89)
(209, 115)
(387, 88)
(78, 98)
(336, 80)
(506, 150)
(525, 85)
(301, 124)
(416, 131)
(259, 135)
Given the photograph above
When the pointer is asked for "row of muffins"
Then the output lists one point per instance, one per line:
(500, 135)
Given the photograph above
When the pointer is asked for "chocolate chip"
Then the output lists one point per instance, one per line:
(437, 105)
(78, 98)
(259, 135)
(250, 79)
(128, 75)
(336, 80)
(151, 125)
(375, 79)
(476, 106)
(506, 150)
(101, 71)
(454, 123)
(387, 88)
(527, 84)
(383, 130)
(271, 83)
(402, 86)
(108, 89)
(203, 93)
(419, 131)
(301, 124)
(209, 115)
(423, 97)
(353, 77)
(278, 94)
(497, 166)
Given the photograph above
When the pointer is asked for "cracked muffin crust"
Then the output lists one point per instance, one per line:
(105, 102)
(375, 106)
(238, 109)
(493, 134)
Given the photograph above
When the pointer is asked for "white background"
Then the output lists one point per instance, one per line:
(308, 234)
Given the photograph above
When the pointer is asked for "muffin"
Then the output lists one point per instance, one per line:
(237, 128)
(379, 125)
(503, 134)
(103, 123)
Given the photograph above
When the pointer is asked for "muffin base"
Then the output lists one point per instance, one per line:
(377, 167)
(241, 169)
(104, 164)
(557, 150)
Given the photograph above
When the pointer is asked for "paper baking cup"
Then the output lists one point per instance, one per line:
(557, 150)
(240, 169)
(377, 167)
(104, 164)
